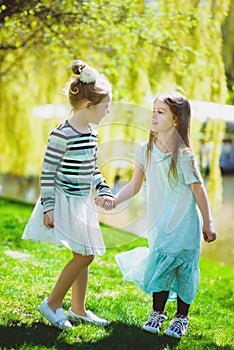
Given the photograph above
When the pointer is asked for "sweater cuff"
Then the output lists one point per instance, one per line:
(48, 206)
(105, 191)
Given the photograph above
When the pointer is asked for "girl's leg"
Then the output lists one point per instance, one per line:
(159, 300)
(179, 324)
(69, 274)
(78, 310)
(158, 314)
(79, 292)
(182, 307)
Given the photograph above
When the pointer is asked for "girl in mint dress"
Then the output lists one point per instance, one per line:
(178, 212)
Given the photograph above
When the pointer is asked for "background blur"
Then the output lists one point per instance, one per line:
(144, 48)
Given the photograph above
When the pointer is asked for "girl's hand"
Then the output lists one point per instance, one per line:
(106, 202)
(209, 233)
(49, 219)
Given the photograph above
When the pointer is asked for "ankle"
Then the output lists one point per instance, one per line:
(177, 314)
(78, 311)
(54, 306)
(160, 311)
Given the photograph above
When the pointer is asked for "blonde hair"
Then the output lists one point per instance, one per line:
(87, 84)
(180, 108)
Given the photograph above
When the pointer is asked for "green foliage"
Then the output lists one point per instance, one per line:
(228, 51)
(29, 271)
(133, 43)
(214, 132)
(142, 49)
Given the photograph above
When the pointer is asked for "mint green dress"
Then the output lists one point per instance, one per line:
(174, 229)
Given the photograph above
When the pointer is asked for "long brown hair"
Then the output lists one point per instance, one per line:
(180, 108)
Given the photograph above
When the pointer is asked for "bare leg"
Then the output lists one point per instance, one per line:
(69, 274)
(78, 293)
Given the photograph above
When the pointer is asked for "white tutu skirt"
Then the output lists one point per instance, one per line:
(76, 225)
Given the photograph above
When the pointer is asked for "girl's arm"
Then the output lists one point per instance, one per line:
(49, 219)
(99, 183)
(55, 149)
(201, 198)
(125, 193)
(133, 187)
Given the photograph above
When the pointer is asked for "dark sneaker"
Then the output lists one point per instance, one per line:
(155, 322)
(178, 326)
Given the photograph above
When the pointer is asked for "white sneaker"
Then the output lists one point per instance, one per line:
(155, 322)
(57, 319)
(90, 317)
(178, 326)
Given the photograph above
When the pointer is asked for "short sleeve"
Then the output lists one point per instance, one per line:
(140, 153)
(190, 169)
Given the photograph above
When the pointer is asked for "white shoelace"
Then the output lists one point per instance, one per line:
(179, 324)
(156, 317)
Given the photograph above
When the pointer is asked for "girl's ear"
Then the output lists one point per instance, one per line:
(175, 121)
(87, 104)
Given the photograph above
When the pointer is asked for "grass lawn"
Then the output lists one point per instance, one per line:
(29, 271)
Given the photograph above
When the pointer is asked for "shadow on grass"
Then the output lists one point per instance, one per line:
(123, 337)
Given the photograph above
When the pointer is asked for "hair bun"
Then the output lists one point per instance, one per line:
(78, 66)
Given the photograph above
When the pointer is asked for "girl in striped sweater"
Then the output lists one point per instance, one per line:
(65, 213)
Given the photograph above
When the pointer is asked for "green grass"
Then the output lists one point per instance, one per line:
(26, 279)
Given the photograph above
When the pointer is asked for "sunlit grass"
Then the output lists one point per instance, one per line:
(29, 271)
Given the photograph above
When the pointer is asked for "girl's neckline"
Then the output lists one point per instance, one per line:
(78, 131)
(180, 151)
(159, 150)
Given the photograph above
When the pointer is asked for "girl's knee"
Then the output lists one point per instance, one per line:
(87, 258)
(90, 258)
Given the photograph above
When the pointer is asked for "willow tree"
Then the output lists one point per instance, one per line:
(194, 61)
(228, 50)
(40, 38)
(142, 50)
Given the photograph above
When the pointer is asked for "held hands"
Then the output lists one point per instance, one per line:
(105, 202)
(49, 219)
(208, 232)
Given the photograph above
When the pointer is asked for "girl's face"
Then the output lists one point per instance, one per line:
(162, 118)
(100, 110)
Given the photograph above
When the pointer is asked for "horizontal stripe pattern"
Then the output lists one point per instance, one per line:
(70, 163)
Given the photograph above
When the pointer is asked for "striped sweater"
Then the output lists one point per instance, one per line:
(70, 163)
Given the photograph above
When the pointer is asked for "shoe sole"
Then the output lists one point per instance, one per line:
(81, 320)
(150, 330)
(172, 334)
(77, 319)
